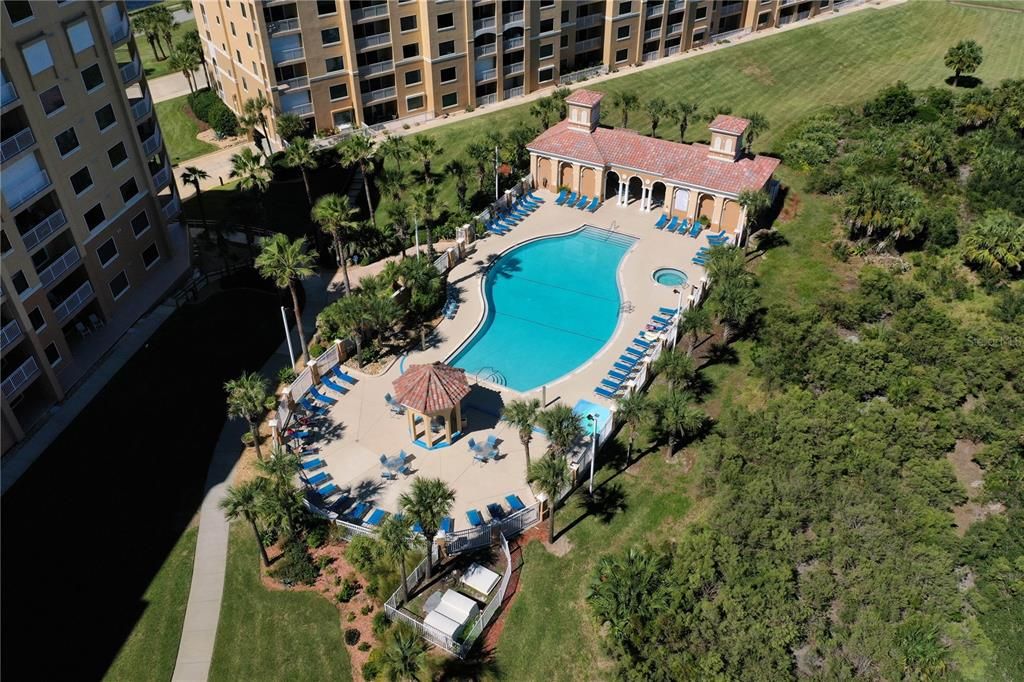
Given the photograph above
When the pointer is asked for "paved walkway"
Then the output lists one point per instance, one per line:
(172, 85)
(217, 164)
(199, 632)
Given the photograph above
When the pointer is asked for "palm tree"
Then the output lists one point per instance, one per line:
(964, 57)
(755, 203)
(733, 301)
(425, 209)
(995, 242)
(543, 109)
(282, 508)
(338, 219)
(359, 150)
(522, 415)
(482, 158)
(345, 317)
(243, 501)
(695, 321)
(425, 284)
(256, 108)
(300, 155)
(633, 409)
(758, 125)
(682, 112)
(427, 502)
(562, 426)
(617, 585)
(399, 214)
(144, 23)
(192, 175)
(458, 170)
(396, 148)
(726, 262)
(163, 24)
(677, 368)
(678, 419)
(395, 536)
(625, 102)
(186, 61)
(551, 474)
(280, 467)
(424, 147)
(192, 40)
(283, 262)
(656, 108)
(252, 172)
(250, 399)
(382, 312)
(404, 656)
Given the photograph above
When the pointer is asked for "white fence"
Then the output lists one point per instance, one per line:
(492, 608)
(327, 359)
(301, 384)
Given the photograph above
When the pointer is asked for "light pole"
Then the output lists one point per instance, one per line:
(496, 197)
(679, 313)
(592, 418)
(288, 335)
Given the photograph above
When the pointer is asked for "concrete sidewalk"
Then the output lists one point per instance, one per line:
(217, 164)
(202, 615)
(172, 85)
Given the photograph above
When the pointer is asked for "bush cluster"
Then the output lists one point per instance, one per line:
(208, 107)
(297, 567)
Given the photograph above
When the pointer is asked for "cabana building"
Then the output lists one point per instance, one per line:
(681, 180)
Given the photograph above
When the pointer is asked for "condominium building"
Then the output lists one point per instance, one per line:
(344, 63)
(90, 238)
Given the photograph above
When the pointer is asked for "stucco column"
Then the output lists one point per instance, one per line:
(716, 212)
(313, 371)
(691, 210)
(448, 427)
(622, 193)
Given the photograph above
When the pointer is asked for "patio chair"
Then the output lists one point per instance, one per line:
(661, 320)
(313, 464)
(662, 221)
(358, 512)
(635, 351)
(630, 360)
(623, 367)
(322, 477)
(496, 511)
(582, 201)
(333, 385)
(571, 199)
(617, 375)
(474, 446)
(514, 503)
(672, 224)
(668, 311)
(82, 330)
(97, 323)
(347, 378)
(495, 229)
(604, 392)
(299, 435)
(447, 524)
(474, 518)
(383, 459)
(611, 383)
(328, 490)
(594, 204)
(480, 456)
(536, 197)
(640, 342)
(562, 196)
(377, 517)
(697, 227)
(395, 406)
(402, 456)
(492, 442)
(388, 475)
(321, 397)
(405, 470)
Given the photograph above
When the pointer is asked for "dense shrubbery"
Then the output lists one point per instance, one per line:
(209, 108)
(297, 567)
(367, 555)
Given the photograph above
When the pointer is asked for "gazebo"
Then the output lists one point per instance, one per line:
(431, 393)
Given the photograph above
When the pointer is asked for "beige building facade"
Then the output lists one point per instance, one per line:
(90, 236)
(344, 63)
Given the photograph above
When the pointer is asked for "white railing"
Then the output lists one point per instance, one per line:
(512, 18)
(57, 268)
(484, 50)
(730, 34)
(521, 521)
(485, 23)
(589, 20)
(729, 10)
(120, 32)
(486, 75)
(675, 28)
(331, 140)
(17, 143)
(486, 99)
(7, 93)
(465, 540)
(514, 43)
(652, 34)
(301, 108)
(373, 41)
(375, 95)
(650, 56)
(288, 55)
(142, 107)
(371, 12)
(162, 177)
(327, 359)
(27, 188)
(514, 92)
(516, 67)
(25, 373)
(588, 44)
(673, 5)
(152, 143)
(171, 208)
(131, 70)
(284, 414)
(442, 263)
(669, 51)
(294, 83)
(73, 302)
(283, 25)
(10, 333)
(379, 67)
(654, 10)
(431, 634)
(583, 74)
(302, 383)
(43, 229)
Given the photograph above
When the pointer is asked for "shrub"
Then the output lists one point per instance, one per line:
(364, 552)
(203, 104)
(894, 104)
(268, 536)
(349, 589)
(366, 610)
(224, 122)
(289, 126)
(381, 624)
(316, 534)
(364, 646)
(841, 251)
(350, 617)
(371, 669)
(315, 350)
(286, 375)
(351, 636)
(297, 566)
(247, 439)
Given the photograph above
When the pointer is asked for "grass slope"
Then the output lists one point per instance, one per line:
(179, 130)
(151, 649)
(269, 635)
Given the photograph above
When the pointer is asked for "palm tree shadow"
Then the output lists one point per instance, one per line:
(480, 664)
(768, 240)
(607, 500)
(720, 354)
(969, 82)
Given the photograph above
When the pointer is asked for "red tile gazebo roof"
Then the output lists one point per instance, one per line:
(431, 388)
(586, 98)
(729, 124)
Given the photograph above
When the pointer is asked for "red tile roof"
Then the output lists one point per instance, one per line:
(587, 98)
(431, 388)
(686, 164)
(729, 124)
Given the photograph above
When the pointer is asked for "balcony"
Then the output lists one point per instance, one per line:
(131, 71)
(379, 67)
(73, 302)
(486, 99)
(589, 20)
(372, 12)
(119, 32)
(10, 333)
(514, 92)
(294, 83)
(729, 10)
(162, 177)
(289, 55)
(653, 34)
(486, 75)
(675, 28)
(377, 95)
(673, 5)
(20, 378)
(650, 56)
(513, 43)
(485, 50)
(141, 108)
(43, 229)
(16, 144)
(152, 143)
(171, 208)
(299, 109)
(669, 51)
(510, 69)
(52, 272)
(654, 10)
(510, 18)
(283, 25)
(587, 45)
(375, 40)
(7, 93)
(483, 24)
(26, 189)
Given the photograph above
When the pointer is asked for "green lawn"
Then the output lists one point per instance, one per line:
(151, 649)
(265, 635)
(179, 129)
(154, 67)
(996, 4)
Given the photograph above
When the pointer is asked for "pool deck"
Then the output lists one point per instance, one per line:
(362, 426)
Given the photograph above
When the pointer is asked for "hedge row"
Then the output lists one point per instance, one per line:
(208, 107)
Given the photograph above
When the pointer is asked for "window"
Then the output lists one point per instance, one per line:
(105, 117)
(117, 155)
(245, 85)
(413, 103)
(547, 50)
(81, 181)
(411, 50)
(564, 40)
(248, 39)
(80, 36)
(129, 190)
(565, 16)
(326, 7)
(545, 75)
(701, 13)
(107, 252)
(342, 119)
(334, 64)
(19, 282)
(625, 7)
(92, 77)
(547, 25)
(547, 3)
(763, 18)
(446, 48)
(621, 55)
(449, 74)
(339, 91)
(36, 319)
(52, 354)
(231, 24)
(449, 100)
(238, 56)
(622, 32)
(445, 21)
(95, 216)
(150, 256)
(67, 142)
(407, 23)
(37, 57)
(119, 285)
(52, 100)
(18, 10)
(698, 36)
(330, 36)
(140, 224)
(243, 11)
(5, 243)
(413, 77)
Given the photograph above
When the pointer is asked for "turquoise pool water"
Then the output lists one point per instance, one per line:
(669, 277)
(551, 304)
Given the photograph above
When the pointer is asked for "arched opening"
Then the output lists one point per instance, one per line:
(636, 189)
(611, 185)
(588, 182)
(730, 215)
(544, 178)
(706, 206)
(658, 191)
(565, 176)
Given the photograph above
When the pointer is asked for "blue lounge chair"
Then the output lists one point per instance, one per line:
(604, 392)
(300, 435)
(611, 383)
(333, 385)
(640, 342)
(668, 311)
(514, 503)
(594, 203)
(347, 378)
(495, 229)
(313, 464)
(312, 407)
(321, 397)
(629, 359)
(376, 517)
(496, 511)
(672, 224)
(623, 367)
(536, 197)
(358, 512)
(698, 261)
(617, 375)
(328, 490)
(571, 199)
(447, 524)
(660, 320)
(562, 196)
(474, 518)
(662, 221)
(695, 230)
(582, 201)
(635, 351)
(322, 477)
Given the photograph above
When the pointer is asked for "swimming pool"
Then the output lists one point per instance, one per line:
(552, 303)
(669, 277)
